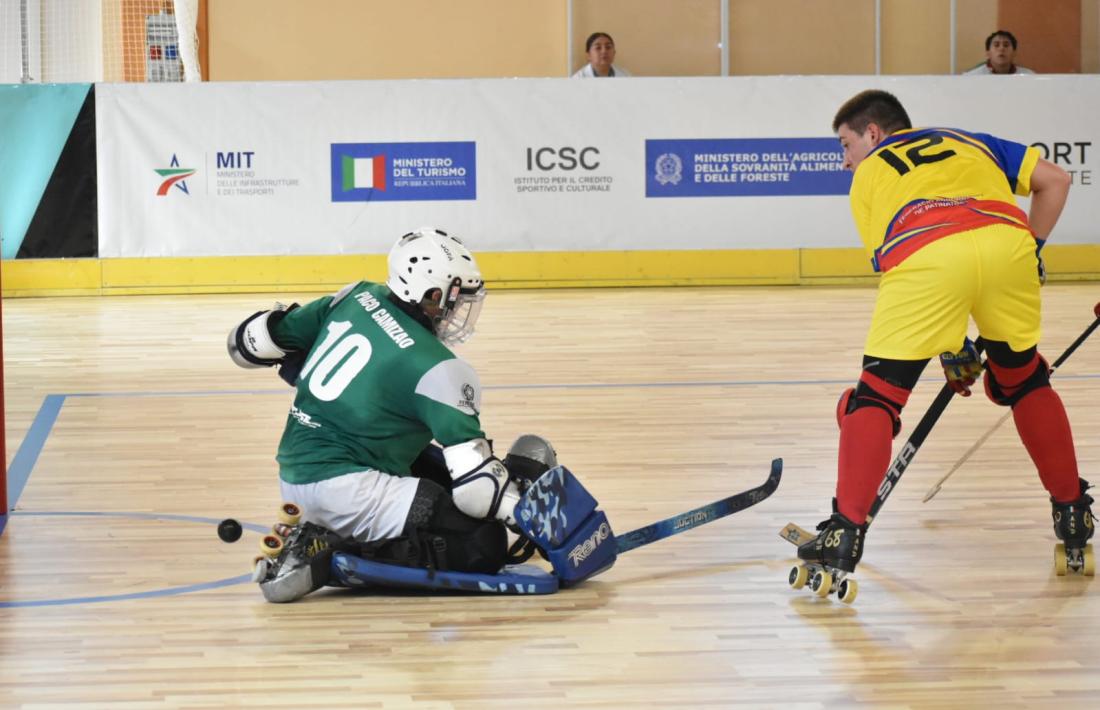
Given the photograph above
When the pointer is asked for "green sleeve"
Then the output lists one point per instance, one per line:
(449, 426)
(448, 400)
(299, 328)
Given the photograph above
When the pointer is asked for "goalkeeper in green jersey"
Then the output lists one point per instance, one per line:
(376, 384)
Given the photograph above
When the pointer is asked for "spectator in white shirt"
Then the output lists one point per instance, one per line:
(600, 49)
(1000, 53)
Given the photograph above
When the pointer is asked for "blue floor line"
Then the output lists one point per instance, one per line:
(564, 385)
(139, 516)
(21, 466)
(25, 458)
(549, 386)
(192, 393)
(170, 591)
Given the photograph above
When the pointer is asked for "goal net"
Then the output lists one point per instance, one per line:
(54, 41)
(77, 41)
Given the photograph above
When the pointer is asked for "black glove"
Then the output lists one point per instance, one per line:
(291, 366)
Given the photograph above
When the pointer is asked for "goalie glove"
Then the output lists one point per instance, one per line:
(962, 369)
(251, 344)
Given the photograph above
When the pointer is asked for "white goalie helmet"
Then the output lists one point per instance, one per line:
(428, 259)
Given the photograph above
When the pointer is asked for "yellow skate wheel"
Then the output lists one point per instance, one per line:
(290, 514)
(1089, 570)
(798, 577)
(282, 530)
(822, 584)
(847, 590)
(271, 545)
(1060, 562)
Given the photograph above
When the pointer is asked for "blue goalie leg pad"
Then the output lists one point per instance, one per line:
(591, 549)
(560, 516)
(553, 507)
(351, 571)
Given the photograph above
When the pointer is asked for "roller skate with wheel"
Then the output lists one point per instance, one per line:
(828, 557)
(1074, 524)
(295, 557)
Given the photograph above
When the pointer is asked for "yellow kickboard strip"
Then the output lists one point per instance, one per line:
(251, 274)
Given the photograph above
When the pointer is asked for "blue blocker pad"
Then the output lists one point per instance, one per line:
(351, 571)
(560, 516)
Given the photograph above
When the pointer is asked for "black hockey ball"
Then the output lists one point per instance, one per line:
(229, 530)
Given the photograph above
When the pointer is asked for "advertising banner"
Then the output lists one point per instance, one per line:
(222, 169)
(745, 166)
(386, 172)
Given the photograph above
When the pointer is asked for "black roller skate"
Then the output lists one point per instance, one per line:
(1074, 524)
(296, 557)
(830, 557)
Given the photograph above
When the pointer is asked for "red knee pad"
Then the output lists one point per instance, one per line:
(844, 405)
(873, 391)
(1008, 385)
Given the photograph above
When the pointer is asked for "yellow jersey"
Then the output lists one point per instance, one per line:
(920, 185)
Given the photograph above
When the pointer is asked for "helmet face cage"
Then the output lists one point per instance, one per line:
(429, 259)
(460, 314)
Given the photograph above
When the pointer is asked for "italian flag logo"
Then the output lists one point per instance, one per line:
(359, 173)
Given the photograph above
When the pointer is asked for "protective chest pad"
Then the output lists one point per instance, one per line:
(560, 516)
(351, 571)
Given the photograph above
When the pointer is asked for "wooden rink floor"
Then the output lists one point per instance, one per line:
(135, 434)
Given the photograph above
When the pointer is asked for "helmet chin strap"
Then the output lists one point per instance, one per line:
(447, 300)
(415, 310)
(450, 298)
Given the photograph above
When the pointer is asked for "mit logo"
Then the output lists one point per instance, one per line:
(235, 160)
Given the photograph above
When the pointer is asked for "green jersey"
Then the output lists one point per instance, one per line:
(376, 388)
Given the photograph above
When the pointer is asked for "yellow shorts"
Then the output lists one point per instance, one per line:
(924, 303)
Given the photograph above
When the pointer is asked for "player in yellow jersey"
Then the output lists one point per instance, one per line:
(936, 213)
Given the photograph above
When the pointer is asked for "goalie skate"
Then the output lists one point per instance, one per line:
(295, 559)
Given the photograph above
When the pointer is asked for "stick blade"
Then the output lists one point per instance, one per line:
(702, 515)
(796, 535)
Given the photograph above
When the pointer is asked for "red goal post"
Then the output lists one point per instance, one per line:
(3, 428)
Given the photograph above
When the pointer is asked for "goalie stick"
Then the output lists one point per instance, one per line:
(702, 515)
(524, 579)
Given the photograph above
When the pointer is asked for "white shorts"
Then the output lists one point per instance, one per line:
(366, 505)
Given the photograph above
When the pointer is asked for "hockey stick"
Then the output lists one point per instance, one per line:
(702, 515)
(795, 534)
(913, 443)
(982, 439)
(909, 450)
